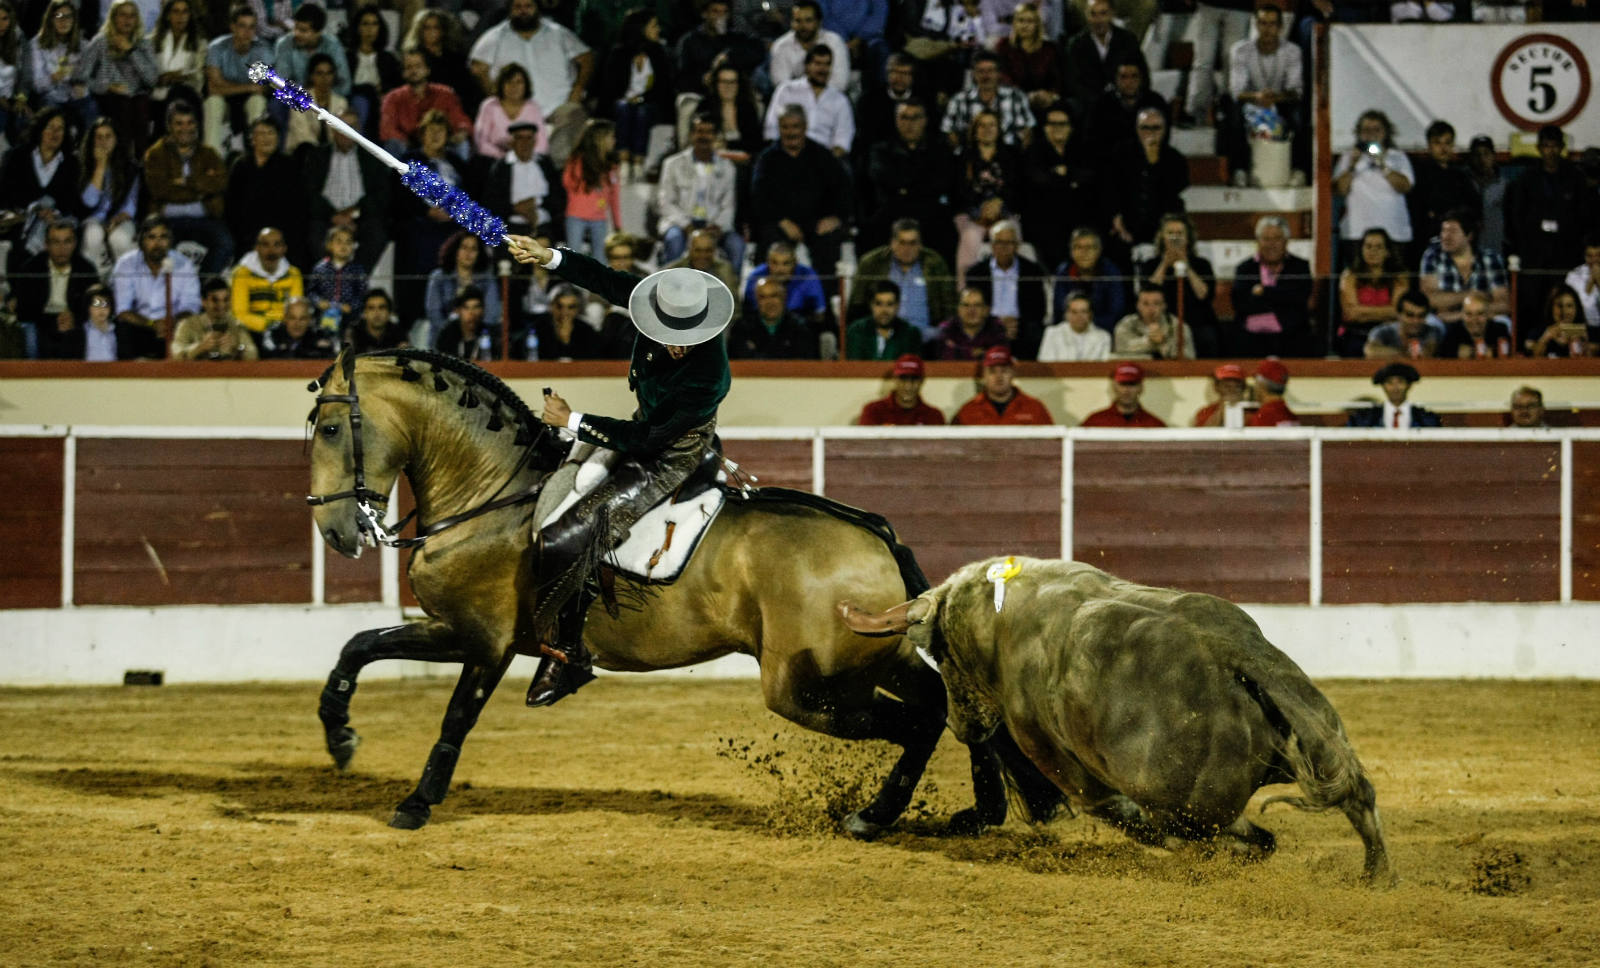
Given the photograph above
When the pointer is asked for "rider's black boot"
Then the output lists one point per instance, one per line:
(566, 570)
(567, 665)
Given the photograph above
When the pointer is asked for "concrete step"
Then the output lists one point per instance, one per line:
(1242, 224)
(1226, 198)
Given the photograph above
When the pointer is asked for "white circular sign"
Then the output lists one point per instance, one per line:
(1540, 79)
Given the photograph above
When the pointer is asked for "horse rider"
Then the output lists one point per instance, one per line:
(679, 372)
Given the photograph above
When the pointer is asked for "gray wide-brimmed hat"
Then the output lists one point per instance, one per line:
(681, 307)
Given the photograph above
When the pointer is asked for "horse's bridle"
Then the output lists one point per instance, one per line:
(371, 505)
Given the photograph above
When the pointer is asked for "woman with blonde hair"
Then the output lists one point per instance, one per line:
(56, 52)
(120, 71)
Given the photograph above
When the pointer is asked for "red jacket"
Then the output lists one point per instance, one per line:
(1112, 417)
(885, 412)
(1022, 409)
(1273, 413)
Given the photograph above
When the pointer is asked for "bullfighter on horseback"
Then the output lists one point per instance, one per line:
(679, 372)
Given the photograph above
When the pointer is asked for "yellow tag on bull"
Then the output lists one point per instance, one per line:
(1001, 572)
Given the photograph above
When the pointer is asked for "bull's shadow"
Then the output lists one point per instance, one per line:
(265, 791)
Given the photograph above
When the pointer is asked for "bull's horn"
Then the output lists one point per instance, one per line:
(862, 622)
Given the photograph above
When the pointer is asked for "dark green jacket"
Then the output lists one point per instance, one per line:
(674, 396)
(861, 340)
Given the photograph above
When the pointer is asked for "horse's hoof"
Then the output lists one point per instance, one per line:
(344, 750)
(408, 821)
(861, 828)
(969, 822)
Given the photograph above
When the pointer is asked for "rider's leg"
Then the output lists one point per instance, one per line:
(565, 563)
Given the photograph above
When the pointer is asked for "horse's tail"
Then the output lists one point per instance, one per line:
(910, 572)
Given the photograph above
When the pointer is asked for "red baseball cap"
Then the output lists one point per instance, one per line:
(908, 364)
(998, 356)
(1228, 371)
(1128, 373)
(1273, 371)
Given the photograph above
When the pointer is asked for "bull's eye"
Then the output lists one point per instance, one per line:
(330, 431)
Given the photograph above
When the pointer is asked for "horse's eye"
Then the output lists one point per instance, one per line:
(330, 431)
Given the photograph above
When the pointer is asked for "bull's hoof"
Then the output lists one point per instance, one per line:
(969, 822)
(409, 820)
(861, 828)
(343, 748)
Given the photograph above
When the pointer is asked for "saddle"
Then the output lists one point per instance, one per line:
(659, 544)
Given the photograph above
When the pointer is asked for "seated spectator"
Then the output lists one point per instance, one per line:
(186, 181)
(295, 338)
(1094, 52)
(337, 281)
(1453, 266)
(903, 407)
(1030, 61)
(372, 65)
(972, 332)
(702, 255)
(155, 285)
(101, 337)
(1564, 332)
(1585, 281)
(878, 109)
(179, 48)
(38, 179)
(801, 194)
(53, 60)
(440, 36)
(1077, 339)
(787, 55)
(422, 229)
(1373, 178)
(999, 401)
(13, 69)
(1265, 73)
(307, 127)
(1127, 386)
(465, 334)
(910, 176)
(232, 99)
(511, 103)
(524, 182)
(1175, 243)
(986, 95)
(1271, 380)
(805, 295)
(1489, 181)
(1112, 120)
(594, 208)
(1147, 180)
(560, 333)
(405, 107)
(1150, 331)
(1369, 291)
(1013, 285)
(712, 37)
(1090, 271)
(927, 288)
(882, 335)
(1527, 409)
(264, 189)
(214, 333)
(772, 332)
(349, 189)
(1415, 334)
(559, 63)
(1395, 413)
(1475, 336)
(119, 71)
(1440, 184)
(1548, 211)
(736, 108)
(1272, 293)
(1227, 382)
(291, 57)
(988, 188)
(50, 288)
(463, 264)
(635, 86)
(376, 328)
(1060, 185)
(263, 281)
(698, 191)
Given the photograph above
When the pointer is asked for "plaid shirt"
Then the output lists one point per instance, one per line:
(1011, 105)
(1488, 270)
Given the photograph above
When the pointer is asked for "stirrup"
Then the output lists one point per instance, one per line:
(558, 677)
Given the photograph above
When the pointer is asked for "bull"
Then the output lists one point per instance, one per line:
(1158, 711)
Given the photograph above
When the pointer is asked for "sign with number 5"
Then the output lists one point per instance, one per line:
(1540, 79)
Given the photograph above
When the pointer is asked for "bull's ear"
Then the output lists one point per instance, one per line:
(924, 610)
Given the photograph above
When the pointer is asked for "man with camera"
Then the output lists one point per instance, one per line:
(213, 333)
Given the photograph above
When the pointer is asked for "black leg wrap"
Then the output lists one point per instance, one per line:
(334, 707)
(893, 799)
(435, 782)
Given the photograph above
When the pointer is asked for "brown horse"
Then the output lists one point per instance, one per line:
(762, 583)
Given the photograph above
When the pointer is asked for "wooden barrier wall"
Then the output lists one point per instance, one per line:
(173, 521)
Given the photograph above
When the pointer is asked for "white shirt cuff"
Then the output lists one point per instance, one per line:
(573, 420)
(555, 259)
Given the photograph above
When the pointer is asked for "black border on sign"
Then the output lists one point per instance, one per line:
(1527, 40)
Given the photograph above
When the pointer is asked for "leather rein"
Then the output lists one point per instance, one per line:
(371, 506)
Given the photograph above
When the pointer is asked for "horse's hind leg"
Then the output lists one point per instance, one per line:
(1362, 809)
(473, 689)
(427, 641)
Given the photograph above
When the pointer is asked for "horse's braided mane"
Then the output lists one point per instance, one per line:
(473, 374)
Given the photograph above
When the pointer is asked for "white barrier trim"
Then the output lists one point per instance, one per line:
(319, 567)
(69, 518)
(28, 430)
(819, 462)
(1315, 554)
(187, 433)
(1068, 471)
(1566, 520)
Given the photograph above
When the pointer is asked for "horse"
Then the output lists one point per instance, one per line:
(762, 581)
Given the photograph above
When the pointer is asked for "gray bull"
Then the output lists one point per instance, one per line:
(1158, 711)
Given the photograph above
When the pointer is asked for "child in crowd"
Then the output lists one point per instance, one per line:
(592, 193)
(337, 281)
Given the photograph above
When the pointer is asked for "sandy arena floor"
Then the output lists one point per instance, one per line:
(668, 822)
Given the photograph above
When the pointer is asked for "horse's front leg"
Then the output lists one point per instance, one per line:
(473, 689)
(426, 641)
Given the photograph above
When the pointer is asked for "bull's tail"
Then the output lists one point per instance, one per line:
(1316, 750)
